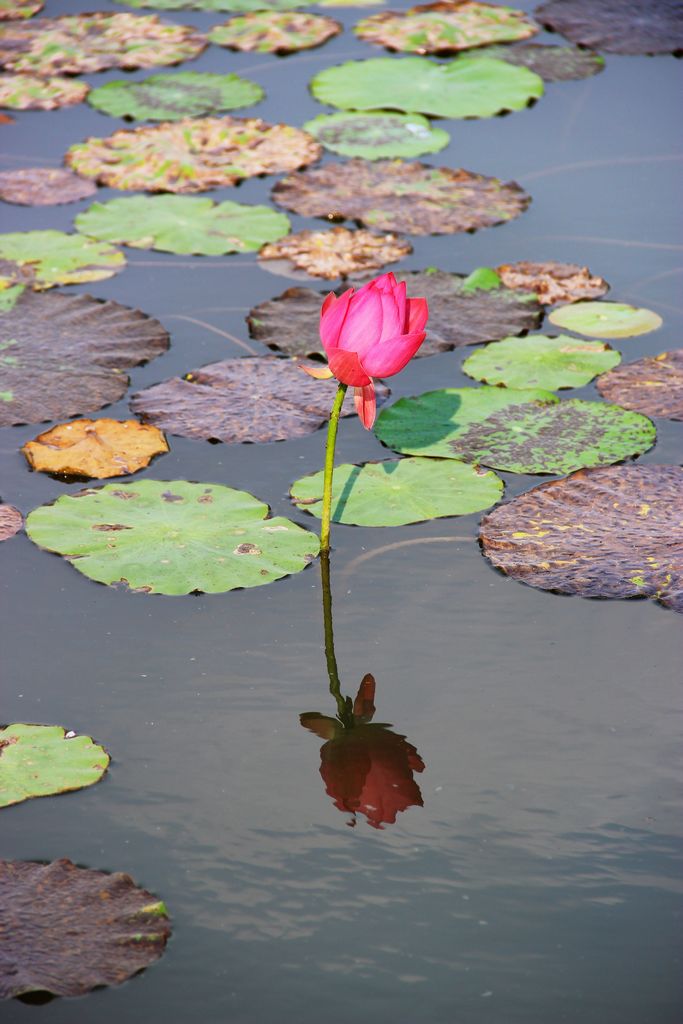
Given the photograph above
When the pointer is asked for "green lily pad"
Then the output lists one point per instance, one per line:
(275, 31)
(458, 88)
(542, 362)
(605, 319)
(42, 760)
(183, 224)
(398, 492)
(32, 92)
(428, 423)
(48, 258)
(552, 63)
(172, 537)
(172, 97)
(377, 134)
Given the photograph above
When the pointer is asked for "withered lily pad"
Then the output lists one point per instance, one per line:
(95, 448)
(82, 43)
(114, 928)
(553, 282)
(248, 399)
(269, 31)
(193, 155)
(617, 26)
(606, 319)
(172, 537)
(542, 362)
(48, 258)
(11, 521)
(377, 134)
(62, 355)
(392, 195)
(43, 186)
(612, 532)
(214, 5)
(173, 97)
(552, 63)
(14, 10)
(653, 385)
(337, 252)
(32, 92)
(42, 760)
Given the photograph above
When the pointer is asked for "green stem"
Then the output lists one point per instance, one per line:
(329, 468)
(344, 707)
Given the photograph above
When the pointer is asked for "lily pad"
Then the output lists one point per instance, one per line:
(605, 319)
(173, 97)
(377, 134)
(114, 929)
(237, 400)
(95, 448)
(459, 88)
(42, 760)
(392, 195)
(398, 492)
(653, 385)
(612, 26)
(193, 155)
(540, 361)
(82, 43)
(43, 186)
(11, 521)
(272, 31)
(49, 258)
(14, 10)
(214, 5)
(63, 355)
(183, 224)
(553, 282)
(172, 537)
(552, 63)
(611, 532)
(32, 92)
(337, 252)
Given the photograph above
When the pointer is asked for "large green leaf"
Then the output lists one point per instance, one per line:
(172, 97)
(377, 134)
(49, 258)
(41, 760)
(541, 362)
(172, 537)
(605, 319)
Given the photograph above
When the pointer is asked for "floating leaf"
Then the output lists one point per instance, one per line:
(639, 26)
(247, 399)
(42, 760)
(172, 537)
(95, 448)
(82, 43)
(552, 63)
(599, 533)
(214, 5)
(395, 195)
(12, 10)
(43, 186)
(272, 31)
(459, 88)
(605, 319)
(377, 134)
(11, 521)
(173, 97)
(63, 355)
(398, 492)
(337, 252)
(553, 282)
(183, 224)
(53, 257)
(69, 930)
(653, 385)
(32, 92)
(541, 362)
(193, 155)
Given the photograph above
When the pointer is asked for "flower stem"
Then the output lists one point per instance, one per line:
(329, 468)
(344, 706)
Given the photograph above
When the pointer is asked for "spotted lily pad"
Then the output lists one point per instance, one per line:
(95, 448)
(542, 362)
(50, 258)
(459, 88)
(214, 5)
(42, 760)
(43, 186)
(14, 10)
(552, 63)
(193, 155)
(393, 195)
(613, 532)
(174, 97)
(172, 537)
(337, 252)
(377, 134)
(606, 319)
(613, 26)
(82, 43)
(114, 929)
(272, 31)
(553, 282)
(183, 224)
(33, 92)
(11, 521)
(653, 385)
(62, 355)
(398, 492)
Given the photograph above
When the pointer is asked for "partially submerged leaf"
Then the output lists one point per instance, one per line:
(43, 186)
(11, 521)
(553, 282)
(653, 385)
(95, 448)
(272, 31)
(605, 319)
(540, 361)
(43, 760)
(552, 63)
(53, 257)
(33, 92)
(176, 96)
(612, 26)
(377, 134)
(337, 252)
(14, 10)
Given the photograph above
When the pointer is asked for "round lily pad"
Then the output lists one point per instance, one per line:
(172, 537)
(605, 319)
(612, 26)
(95, 448)
(337, 252)
(193, 155)
(393, 195)
(173, 97)
(82, 43)
(62, 355)
(50, 258)
(14, 10)
(445, 27)
(400, 491)
(377, 134)
(553, 282)
(272, 31)
(43, 186)
(183, 224)
(459, 88)
(42, 760)
(11, 521)
(214, 5)
(32, 92)
(552, 63)
(69, 930)
(611, 532)
(541, 362)
(653, 385)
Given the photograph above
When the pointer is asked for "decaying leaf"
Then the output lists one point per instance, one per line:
(44, 259)
(15, 10)
(43, 186)
(33, 92)
(268, 31)
(540, 361)
(114, 929)
(377, 134)
(337, 252)
(552, 63)
(613, 532)
(43, 760)
(445, 27)
(553, 282)
(653, 385)
(11, 521)
(214, 5)
(95, 448)
(615, 26)
(175, 96)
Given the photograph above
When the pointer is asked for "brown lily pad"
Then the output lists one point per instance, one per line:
(653, 385)
(617, 26)
(95, 448)
(43, 186)
(32, 92)
(393, 195)
(15, 10)
(553, 282)
(275, 31)
(608, 532)
(338, 252)
(261, 398)
(552, 63)
(193, 155)
(11, 521)
(114, 929)
(64, 355)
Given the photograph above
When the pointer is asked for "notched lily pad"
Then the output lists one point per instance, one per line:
(553, 282)
(337, 252)
(95, 448)
(606, 319)
(114, 929)
(43, 760)
(612, 533)
(615, 26)
(15, 10)
(272, 31)
(33, 92)
(174, 97)
(11, 521)
(653, 385)
(377, 134)
(44, 259)
(540, 361)
(552, 63)
(43, 186)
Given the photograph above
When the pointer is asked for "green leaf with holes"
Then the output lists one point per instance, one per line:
(377, 134)
(42, 760)
(540, 361)
(173, 97)
(605, 319)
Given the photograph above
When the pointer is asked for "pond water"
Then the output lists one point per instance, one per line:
(541, 879)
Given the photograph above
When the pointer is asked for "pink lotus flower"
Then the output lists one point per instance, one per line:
(372, 332)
